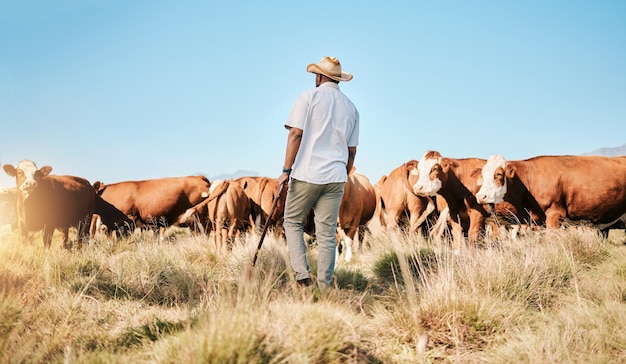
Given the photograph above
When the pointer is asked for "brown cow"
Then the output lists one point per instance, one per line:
(399, 205)
(155, 202)
(549, 189)
(449, 178)
(108, 216)
(261, 192)
(50, 202)
(227, 209)
(358, 205)
(502, 214)
(230, 214)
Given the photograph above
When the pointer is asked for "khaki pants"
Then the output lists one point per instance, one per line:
(325, 201)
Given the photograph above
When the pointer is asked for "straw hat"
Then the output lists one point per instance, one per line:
(330, 67)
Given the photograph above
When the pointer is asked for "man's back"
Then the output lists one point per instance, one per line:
(330, 124)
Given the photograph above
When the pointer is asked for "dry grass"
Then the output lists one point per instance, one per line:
(548, 297)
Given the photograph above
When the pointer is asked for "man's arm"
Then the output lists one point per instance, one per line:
(351, 155)
(293, 145)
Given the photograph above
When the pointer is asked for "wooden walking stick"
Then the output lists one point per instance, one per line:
(269, 220)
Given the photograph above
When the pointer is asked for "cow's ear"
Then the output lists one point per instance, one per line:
(45, 170)
(98, 186)
(477, 173)
(10, 170)
(410, 165)
(432, 154)
(445, 164)
(510, 171)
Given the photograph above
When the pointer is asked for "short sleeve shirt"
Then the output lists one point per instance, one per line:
(330, 124)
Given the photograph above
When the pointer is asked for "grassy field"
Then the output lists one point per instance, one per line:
(548, 297)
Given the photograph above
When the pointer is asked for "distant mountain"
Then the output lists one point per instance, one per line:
(236, 174)
(609, 152)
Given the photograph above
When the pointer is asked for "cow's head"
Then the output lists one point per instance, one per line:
(26, 175)
(432, 169)
(493, 180)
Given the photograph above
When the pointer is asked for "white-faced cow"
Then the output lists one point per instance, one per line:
(549, 189)
(400, 206)
(155, 202)
(502, 214)
(447, 178)
(50, 202)
(358, 205)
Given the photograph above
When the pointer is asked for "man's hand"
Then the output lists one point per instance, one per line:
(283, 180)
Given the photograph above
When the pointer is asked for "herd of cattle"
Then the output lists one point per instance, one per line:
(431, 196)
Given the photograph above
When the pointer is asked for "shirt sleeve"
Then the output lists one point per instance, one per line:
(298, 113)
(353, 139)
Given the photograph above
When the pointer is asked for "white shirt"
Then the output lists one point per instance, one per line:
(330, 124)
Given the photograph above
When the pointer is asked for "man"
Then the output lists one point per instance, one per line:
(323, 135)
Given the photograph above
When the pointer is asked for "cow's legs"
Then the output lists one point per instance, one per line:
(47, 237)
(441, 224)
(221, 234)
(348, 255)
(514, 232)
(349, 238)
(23, 232)
(218, 232)
(417, 220)
(554, 216)
(84, 231)
(94, 227)
(458, 240)
(224, 239)
(476, 223)
(234, 231)
(391, 221)
(65, 237)
(361, 235)
(339, 237)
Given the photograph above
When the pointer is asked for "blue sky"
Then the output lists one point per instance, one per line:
(116, 90)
